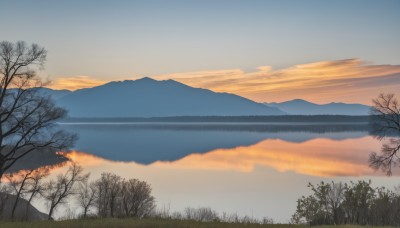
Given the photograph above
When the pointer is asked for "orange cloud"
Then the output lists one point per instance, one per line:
(76, 82)
(349, 80)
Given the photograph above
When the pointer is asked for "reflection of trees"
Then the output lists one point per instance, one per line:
(385, 122)
(39, 159)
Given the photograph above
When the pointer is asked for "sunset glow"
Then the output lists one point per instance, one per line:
(200, 113)
(350, 81)
(317, 157)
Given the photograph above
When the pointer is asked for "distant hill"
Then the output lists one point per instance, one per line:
(55, 94)
(302, 107)
(7, 202)
(150, 98)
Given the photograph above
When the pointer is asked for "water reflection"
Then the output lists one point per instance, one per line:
(252, 169)
(262, 179)
(148, 143)
(38, 159)
(317, 157)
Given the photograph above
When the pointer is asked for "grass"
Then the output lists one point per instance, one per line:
(97, 223)
(108, 222)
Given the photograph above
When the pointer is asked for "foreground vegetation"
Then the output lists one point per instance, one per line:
(149, 223)
(129, 223)
(130, 201)
(354, 203)
(145, 223)
(109, 196)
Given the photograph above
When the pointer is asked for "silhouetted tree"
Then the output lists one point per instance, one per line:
(136, 198)
(58, 191)
(27, 119)
(35, 186)
(117, 197)
(5, 191)
(358, 198)
(354, 203)
(86, 195)
(385, 121)
(18, 182)
(108, 189)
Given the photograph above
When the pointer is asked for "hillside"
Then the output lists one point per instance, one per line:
(302, 107)
(150, 98)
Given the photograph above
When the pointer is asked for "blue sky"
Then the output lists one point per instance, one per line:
(109, 40)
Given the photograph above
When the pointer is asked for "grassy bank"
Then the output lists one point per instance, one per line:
(96, 223)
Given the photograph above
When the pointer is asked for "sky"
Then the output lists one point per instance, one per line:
(322, 51)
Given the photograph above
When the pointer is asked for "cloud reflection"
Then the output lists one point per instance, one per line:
(317, 157)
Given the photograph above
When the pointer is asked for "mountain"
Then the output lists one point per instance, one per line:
(302, 107)
(55, 94)
(45, 92)
(150, 98)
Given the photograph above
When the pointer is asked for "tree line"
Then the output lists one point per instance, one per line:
(349, 203)
(108, 196)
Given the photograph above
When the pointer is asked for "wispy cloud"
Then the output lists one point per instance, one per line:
(76, 82)
(349, 80)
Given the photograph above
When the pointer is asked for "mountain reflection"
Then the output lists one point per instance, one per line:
(148, 143)
(317, 157)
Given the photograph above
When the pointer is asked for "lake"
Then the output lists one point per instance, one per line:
(254, 169)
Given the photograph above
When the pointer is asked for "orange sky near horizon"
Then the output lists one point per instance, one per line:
(349, 81)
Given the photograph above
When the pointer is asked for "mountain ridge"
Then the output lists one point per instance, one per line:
(303, 107)
(147, 97)
(141, 92)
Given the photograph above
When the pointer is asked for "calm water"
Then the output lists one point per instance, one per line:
(253, 169)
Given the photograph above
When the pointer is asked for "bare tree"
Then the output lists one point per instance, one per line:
(35, 186)
(27, 119)
(108, 190)
(25, 184)
(5, 190)
(137, 200)
(385, 122)
(58, 191)
(86, 196)
(18, 182)
(335, 198)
